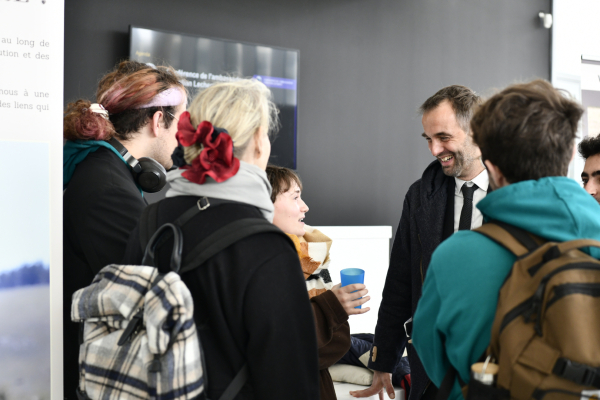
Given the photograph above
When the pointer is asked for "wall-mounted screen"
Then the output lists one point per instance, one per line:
(203, 61)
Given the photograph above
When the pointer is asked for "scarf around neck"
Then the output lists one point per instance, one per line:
(250, 185)
(75, 151)
(313, 251)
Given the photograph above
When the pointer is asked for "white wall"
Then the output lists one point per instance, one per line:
(575, 32)
(368, 248)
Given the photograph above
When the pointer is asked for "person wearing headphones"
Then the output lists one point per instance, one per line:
(115, 149)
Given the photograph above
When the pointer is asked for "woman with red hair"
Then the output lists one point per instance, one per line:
(114, 149)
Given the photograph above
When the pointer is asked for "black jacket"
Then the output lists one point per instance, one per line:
(250, 305)
(101, 206)
(427, 219)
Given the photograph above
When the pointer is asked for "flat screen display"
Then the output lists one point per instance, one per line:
(203, 61)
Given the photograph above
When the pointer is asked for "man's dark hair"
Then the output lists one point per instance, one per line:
(527, 131)
(462, 99)
(590, 146)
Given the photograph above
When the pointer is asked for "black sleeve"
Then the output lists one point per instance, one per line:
(109, 221)
(396, 306)
(282, 348)
(133, 252)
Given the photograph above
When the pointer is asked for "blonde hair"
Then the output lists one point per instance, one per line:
(242, 107)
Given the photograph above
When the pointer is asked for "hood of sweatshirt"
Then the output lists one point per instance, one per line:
(554, 208)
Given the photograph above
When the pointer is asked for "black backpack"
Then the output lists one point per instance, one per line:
(207, 248)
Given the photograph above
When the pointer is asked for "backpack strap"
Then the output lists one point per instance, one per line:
(202, 204)
(447, 384)
(149, 218)
(148, 224)
(565, 247)
(516, 240)
(215, 243)
(236, 384)
(451, 375)
(208, 247)
(223, 238)
(581, 374)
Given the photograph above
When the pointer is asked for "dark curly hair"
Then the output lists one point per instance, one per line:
(590, 146)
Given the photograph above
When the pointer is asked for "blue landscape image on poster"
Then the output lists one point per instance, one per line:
(24, 271)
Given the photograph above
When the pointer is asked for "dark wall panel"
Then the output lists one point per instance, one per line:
(365, 67)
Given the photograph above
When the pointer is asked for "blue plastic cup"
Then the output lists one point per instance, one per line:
(352, 275)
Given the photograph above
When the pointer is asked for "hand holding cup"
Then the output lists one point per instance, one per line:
(352, 291)
(352, 297)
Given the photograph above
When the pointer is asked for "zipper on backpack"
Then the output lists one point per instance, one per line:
(133, 327)
(588, 289)
(522, 309)
(532, 306)
(538, 297)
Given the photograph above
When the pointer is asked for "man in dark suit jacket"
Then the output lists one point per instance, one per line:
(434, 207)
(137, 112)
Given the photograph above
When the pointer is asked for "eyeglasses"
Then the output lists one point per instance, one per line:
(173, 115)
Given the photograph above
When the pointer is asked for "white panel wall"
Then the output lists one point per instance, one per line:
(368, 248)
(575, 32)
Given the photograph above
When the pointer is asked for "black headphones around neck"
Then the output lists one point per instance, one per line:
(147, 173)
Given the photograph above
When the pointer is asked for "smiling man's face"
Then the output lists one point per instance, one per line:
(449, 143)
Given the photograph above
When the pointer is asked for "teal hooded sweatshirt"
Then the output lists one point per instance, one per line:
(454, 316)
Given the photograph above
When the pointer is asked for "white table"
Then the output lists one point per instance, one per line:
(342, 391)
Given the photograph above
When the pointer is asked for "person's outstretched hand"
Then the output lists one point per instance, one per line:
(381, 380)
(349, 300)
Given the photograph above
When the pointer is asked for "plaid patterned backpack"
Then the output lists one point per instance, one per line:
(139, 336)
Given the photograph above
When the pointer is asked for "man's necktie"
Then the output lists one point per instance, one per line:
(467, 209)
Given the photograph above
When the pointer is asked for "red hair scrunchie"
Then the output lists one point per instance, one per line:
(216, 158)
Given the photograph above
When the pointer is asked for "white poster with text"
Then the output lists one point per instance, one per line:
(31, 102)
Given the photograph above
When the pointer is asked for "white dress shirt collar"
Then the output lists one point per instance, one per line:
(482, 181)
